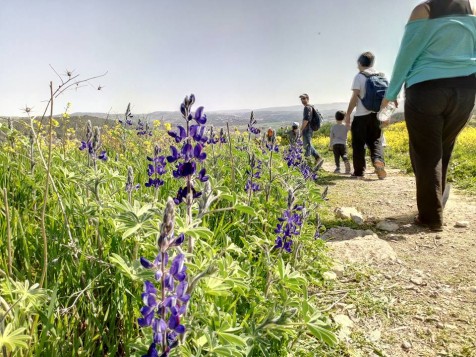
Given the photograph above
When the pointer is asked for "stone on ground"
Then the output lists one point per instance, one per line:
(358, 246)
(349, 213)
(387, 226)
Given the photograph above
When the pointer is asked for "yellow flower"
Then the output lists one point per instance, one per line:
(156, 123)
(168, 126)
(54, 122)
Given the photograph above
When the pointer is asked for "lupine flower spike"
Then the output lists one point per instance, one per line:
(289, 225)
(165, 306)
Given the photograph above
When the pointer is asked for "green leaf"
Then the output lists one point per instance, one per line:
(131, 231)
(13, 339)
(246, 209)
(281, 268)
(323, 334)
(216, 287)
(232, 339)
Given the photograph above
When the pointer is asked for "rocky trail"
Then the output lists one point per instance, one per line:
(399, 289)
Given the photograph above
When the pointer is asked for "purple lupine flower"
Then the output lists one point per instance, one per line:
(102, 156)
(192, 139)
(166, 303)
(289, 225)
(127, 117)
(156, 168)
(294, 158)
(212, 139)
(93, 144)
(253, 173)
(202, 175)
(130, 183)
(222, 136)
(180, 136)
(251, 128)
(143, 128)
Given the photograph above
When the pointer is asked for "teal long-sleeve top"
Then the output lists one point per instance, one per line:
(433, 49)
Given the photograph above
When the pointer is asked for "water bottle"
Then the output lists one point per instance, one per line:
(385, 114)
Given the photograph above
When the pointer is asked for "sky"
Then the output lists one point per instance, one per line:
(232, 54)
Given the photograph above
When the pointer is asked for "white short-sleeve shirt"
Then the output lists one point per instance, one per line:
(359, 83)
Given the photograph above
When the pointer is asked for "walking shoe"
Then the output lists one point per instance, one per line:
(380, 169)
(435, 227)
(347, 167)
(337, 170)
(357, 177)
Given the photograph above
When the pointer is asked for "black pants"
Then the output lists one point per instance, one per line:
(340, 151)
(365, 130)
(434, 117)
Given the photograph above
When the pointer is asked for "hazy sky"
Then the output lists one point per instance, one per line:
(232, 54)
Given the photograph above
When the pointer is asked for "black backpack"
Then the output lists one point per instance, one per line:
(316, 119)
(375, 87)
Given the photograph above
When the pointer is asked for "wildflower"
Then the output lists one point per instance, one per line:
(212, 139)
(156, 168)
(93, 143)
(127, 117)
(251, 124)
(222, 136)
(143, 128)
(166, 303)
(289, 225)
(253, 173)
(192, 139)
(294, 158)
(130, 181)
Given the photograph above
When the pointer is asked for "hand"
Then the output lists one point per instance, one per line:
(385, 102)
(347, 121)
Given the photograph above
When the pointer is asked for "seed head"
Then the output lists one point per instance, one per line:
(167, 228)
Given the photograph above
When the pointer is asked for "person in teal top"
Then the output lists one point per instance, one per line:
(437, 64)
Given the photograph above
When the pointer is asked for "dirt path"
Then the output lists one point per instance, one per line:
(424, 303)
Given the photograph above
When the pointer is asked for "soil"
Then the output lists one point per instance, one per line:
(423, 303)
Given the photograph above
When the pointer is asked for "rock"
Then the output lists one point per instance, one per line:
(387, 226)
(343, 321)
(472, 289)
(357, 246)
(329, 275)
(438, 236)
(406, 345)
(375, 335)
(417, 281)
(338, 269)
(462, 224)
(359, 219)
(349, 213)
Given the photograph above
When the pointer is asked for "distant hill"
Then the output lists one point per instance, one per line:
(274, 117)
(267, 117)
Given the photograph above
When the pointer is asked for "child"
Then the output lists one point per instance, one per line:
(293, 134)
(339, 142)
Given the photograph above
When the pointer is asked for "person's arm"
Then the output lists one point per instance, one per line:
(352, 105)
(473, 6)
(305, 118)
(413, 42)
(332, 135)
(421, 11)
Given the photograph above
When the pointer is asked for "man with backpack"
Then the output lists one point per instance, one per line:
(311, 121)
(368, 90)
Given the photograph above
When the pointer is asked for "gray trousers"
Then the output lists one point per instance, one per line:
(434, 117)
